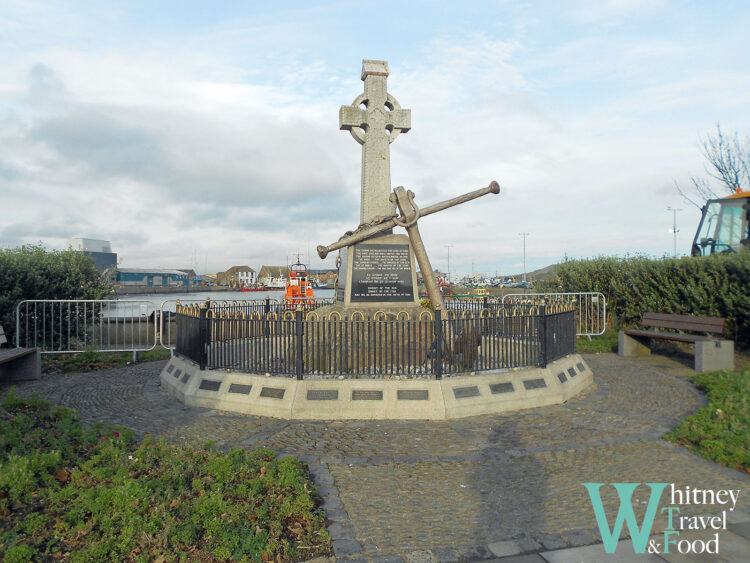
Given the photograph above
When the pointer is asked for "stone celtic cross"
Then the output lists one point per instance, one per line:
(374, 127)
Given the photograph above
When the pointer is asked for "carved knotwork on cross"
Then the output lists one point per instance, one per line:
(375, 126)
(408, 218)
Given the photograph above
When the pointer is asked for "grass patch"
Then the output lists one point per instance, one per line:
(720, 431)
(79, 492)
(607, 342)
(92, 360)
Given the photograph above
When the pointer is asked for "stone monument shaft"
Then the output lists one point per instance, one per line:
(375, 126)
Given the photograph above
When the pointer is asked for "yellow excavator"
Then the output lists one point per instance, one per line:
(724, 226)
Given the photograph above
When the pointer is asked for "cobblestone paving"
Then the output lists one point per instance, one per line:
(437, 490)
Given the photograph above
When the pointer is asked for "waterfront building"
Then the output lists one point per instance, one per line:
(152, 277)
(237, 276)
(323, 277)
(100, 251)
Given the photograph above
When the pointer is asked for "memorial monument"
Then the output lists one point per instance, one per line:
(376, 267)
(376, 353)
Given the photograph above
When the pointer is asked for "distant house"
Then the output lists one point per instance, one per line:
(273, 276)
(323, 277)
(237, 276)
(151, 277)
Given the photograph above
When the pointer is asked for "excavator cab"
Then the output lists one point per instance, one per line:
(724, 226)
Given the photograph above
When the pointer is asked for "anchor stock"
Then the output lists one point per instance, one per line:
(383, 224)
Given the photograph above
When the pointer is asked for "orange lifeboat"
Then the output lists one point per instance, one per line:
(299, 290)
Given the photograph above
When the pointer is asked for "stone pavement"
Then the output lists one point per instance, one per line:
(473, 489)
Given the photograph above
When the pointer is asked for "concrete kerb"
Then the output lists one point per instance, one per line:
(377, 399)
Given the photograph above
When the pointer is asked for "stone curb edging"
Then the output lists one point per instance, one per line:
(451, 398)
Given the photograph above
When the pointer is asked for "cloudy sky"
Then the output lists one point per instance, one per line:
(205, 135)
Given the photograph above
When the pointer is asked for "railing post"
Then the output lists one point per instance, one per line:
(18, 324)
(438, 344)
(203, 337)
(268, 305)
(542, 332)
(299, 332)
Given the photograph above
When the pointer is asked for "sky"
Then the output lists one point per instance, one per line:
(205, 135)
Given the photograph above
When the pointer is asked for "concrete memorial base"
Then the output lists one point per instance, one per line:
(368, 399)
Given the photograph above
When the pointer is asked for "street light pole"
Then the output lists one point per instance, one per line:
(524, 235)
(448, 246)
(674, 226)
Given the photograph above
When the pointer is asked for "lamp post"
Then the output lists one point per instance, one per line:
(524, 235)
(674, 226)
(448, 246)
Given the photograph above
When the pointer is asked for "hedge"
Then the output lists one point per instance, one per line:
(713, 286)
(32, 272)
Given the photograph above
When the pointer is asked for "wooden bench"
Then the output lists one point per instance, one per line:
(711, 353)
(18, 364)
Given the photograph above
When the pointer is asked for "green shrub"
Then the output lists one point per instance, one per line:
(89, 493)
(714, 286)
(31, 272)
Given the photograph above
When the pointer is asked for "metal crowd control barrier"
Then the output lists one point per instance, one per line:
(59, 326)
(64, 326)
(591, 308)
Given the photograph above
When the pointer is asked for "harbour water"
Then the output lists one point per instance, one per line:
(170, 300)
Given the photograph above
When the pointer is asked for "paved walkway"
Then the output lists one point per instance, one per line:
(478, 488)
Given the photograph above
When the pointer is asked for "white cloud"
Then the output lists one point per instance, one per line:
(225, 143)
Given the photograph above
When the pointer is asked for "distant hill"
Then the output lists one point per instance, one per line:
(542, 274)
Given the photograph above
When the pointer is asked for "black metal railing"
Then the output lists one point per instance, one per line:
(285, 343)
(559, 335)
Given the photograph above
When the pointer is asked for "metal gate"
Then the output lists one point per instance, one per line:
(590, 307)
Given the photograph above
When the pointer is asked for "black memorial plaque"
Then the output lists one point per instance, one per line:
(572, 372)
(466, 392)
(506, 387)
(272, 392)
(209, 385)
(562, 377)
(240, 388)
(534, 384)
(413, 395)
(322, 394)
(381, 272)
(367, 395)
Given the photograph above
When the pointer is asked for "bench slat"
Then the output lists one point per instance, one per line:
(7, 354)
(684, 322)
(668, 335)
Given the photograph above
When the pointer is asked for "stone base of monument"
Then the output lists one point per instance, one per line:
(457, 396)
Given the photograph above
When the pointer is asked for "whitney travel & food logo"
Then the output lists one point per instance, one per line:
(676, 522)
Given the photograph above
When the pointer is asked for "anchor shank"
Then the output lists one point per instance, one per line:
(406, 209)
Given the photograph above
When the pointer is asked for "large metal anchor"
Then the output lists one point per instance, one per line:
(409, 215)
